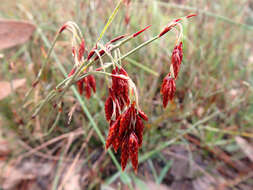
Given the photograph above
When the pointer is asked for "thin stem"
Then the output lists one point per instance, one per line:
(43, 67)
(138, 47)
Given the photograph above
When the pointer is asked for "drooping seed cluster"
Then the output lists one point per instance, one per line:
(126, 125)
(125, 118)
(169, 85)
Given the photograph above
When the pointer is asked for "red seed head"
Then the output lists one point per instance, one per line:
(168, 89)
(176, 58)
(120, 86)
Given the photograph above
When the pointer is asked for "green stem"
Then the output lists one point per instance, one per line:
(138, 47)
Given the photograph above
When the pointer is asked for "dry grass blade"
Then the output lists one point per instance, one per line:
(71, 171)
(13, 32)
(67, 135)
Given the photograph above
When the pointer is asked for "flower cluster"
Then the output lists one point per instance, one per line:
(126, 120)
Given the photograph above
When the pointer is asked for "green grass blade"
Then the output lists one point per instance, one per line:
(109, 20)
(164, 171)
(143, 67)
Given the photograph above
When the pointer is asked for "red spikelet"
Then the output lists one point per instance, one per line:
(133, 150)
(124, 152)
(127, 19)
(180, 49)
(123, 71)
(143, 115)
(108, 108)
(191, 15)
(117, 39)
(101, 52)
(139, 32)
(165, 30)
(92, 52)
(124, 86)
(80, 86)
(120, 86)
(63, 28)
(116, 144)
(112, 133)
(92, 82)
(81, 50)
(139, 127)
(168, 89)
(87, 88)
(71, 72)
(176, 58)
(125, 121)
(115, 80)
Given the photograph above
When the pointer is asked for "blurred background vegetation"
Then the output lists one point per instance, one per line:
(202, 140)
